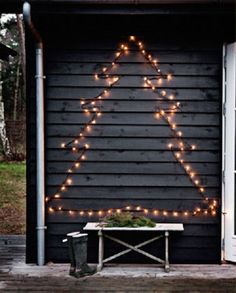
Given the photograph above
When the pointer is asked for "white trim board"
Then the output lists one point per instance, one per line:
(229, 166)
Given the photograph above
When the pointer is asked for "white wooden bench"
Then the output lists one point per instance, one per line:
(160, 227)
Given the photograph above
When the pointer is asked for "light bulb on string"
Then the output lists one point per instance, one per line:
(187, 168)
(159, 81)
(169, 77)
(100, 213)
(163, 93)
(196, 182)
(77, 165)
(192, 174)
(69, 181)
(177, 155)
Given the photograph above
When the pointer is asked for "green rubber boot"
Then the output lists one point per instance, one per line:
(80, 252)
(71, 252)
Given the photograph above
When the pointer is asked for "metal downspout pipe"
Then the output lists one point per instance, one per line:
(40, 156)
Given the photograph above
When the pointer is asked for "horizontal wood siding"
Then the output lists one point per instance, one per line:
(128, 162)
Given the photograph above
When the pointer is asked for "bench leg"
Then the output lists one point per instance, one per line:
(167, 265)
(100, 250)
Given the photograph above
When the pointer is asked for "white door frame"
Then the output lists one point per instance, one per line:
(228, 235)
(223, 156)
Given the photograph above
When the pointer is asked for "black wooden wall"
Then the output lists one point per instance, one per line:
(128, 162)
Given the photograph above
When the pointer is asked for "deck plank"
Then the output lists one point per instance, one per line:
(17, 276)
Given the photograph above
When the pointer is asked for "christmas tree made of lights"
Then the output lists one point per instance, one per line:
(165, 110)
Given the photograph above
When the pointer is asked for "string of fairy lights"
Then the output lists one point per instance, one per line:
(178, 146)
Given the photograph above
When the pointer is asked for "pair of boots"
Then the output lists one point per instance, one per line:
(77, 244)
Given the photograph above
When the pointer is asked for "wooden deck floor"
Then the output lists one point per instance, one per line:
(16, 276)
